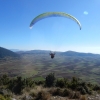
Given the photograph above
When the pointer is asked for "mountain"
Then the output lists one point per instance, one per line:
(67, 53)
(34, 52)
(7, 53)
(37, 63)
(81, 54)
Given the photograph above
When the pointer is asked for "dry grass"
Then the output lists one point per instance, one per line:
(41, 93)
(83, 97)
(56, 91)
(65, 93)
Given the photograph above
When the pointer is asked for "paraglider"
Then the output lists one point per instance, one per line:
(52, 54)
(53, 14)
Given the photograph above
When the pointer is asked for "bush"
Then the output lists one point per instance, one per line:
(57, 91)
(60, 83)
(81, 90)
(2, 97)
(66, 92)
(50, 80)
(39, 82)
(77, 95)
(4, 79)
(43, 95)
(96, 87)
(33, 94)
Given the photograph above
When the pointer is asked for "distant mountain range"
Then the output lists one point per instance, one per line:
(67, 53)
(39, 63)
(15, 53)
(73, 53)
(7, 53)
(33, 52)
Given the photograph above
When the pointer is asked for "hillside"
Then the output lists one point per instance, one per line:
(7, 53)
(37, 63)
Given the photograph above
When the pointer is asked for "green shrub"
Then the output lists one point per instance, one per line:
(83, 91)
(60, 83)
(96, 87)
(50, 80)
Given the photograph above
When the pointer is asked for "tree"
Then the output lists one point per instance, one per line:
(50, 80)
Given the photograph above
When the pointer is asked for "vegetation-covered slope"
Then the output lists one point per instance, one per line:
(39, 63)
(51, 88)
(7, 53)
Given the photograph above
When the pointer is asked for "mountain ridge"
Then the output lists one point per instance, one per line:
(66, 53)
(7, 53)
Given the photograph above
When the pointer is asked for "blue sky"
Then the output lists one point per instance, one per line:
(54, 33)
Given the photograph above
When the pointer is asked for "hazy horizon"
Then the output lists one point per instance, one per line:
(51, 50)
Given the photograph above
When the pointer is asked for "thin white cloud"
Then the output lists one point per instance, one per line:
(85, 13)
